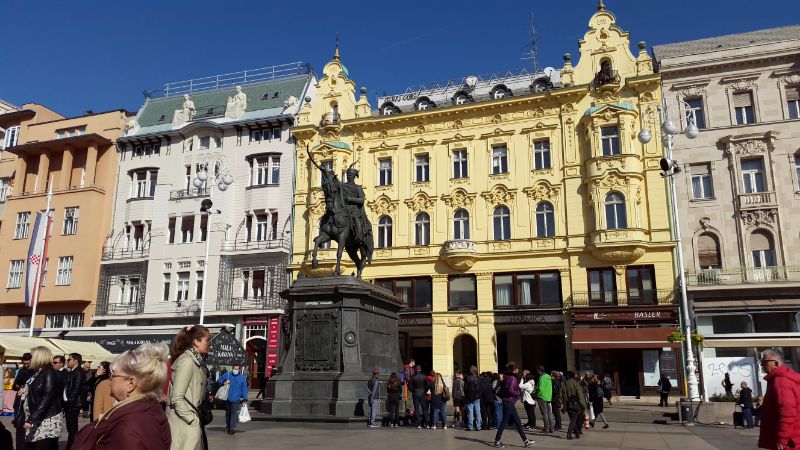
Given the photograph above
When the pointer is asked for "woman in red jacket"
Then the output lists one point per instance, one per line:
(780, 414)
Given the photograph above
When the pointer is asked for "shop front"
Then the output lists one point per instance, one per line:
(531, 338)
(416, 338)
(262, 337)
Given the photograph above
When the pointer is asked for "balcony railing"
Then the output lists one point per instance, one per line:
(266, 244)
(653, 297)
(120, 309)
(330, 119)
(743, 275)
(757, 200)
(188, 193)
(604, 78)
(259, 303)
(458, 246)
(57, 191)
(110, 253)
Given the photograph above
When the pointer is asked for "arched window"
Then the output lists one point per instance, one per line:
(708, 251)
(500, 91)
(545, 220)
(762, 249)
(384, 232)
(422, 229)
(461, 224)
(502, 223)
(334, 112)
(615, 211)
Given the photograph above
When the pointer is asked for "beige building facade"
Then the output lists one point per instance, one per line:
(739, 193)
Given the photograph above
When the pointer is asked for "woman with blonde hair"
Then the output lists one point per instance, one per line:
(440, 395)
(8, 393)
(137, 421)
(187, 388)
(41, 399)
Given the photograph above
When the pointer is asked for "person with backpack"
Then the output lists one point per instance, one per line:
(574, 404)
(544, 396)
(509, 393)
(440, 395)
(608, 388)
(487, 401)
(557, 385)
(472, 398)
(458, 398)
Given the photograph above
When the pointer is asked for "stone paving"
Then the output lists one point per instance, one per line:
(633, 427)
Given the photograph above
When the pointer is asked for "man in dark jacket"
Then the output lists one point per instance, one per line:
(746, 402)
(664, 387)
(74, 381)
(509, 392)
(558, 383)
(573, 401)
(472, 399)
(22, 377)
(420, 386)
(487, 401)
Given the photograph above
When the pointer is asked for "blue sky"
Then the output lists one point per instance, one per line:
(101, 54)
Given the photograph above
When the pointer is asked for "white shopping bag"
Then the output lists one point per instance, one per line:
(222, 392)
(591, 412)
(244, 414)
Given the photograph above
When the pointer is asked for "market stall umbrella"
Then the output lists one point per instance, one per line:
(13, 347)
(226, 350)
(89, 351)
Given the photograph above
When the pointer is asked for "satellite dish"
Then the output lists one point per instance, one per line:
(471, 81)
(549, 71)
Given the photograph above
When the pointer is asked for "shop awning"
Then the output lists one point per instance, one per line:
(89, 351)
(13, 347)
(598, 338)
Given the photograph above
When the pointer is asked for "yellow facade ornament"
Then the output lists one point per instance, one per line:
(499, 194)
(459, 199)
(420, 202)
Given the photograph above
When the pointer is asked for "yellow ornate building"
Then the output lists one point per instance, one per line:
(517, 216)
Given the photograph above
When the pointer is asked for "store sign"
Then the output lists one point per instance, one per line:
(641, 315)
(527, 319)
(226, 350)
(415, 321)
(120, 344)
(273, 340)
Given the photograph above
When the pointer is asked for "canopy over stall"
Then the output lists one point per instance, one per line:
(89, 351)
(13, 347)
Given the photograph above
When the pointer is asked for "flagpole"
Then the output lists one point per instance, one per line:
(38, 287)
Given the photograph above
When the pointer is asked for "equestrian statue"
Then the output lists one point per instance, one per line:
(344, 220)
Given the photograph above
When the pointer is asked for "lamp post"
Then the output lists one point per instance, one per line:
(669, 168)
(214, 173)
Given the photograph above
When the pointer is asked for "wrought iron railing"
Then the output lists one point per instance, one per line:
(330, 119)
(120, 309)
(743, 275)
(259, 303)
(188, 193)
(601, 78)
(266, 244)
(651, 297)
(110, 253)
(262, 75)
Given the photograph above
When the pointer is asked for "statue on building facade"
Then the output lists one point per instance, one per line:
(236, 104)
(344, 220)
(185, 114)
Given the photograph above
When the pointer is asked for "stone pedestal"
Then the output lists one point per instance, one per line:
(341, 329)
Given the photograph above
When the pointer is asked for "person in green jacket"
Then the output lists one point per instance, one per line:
(573, 403)
(544, 397)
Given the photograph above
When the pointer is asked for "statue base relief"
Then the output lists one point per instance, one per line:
(341, 329)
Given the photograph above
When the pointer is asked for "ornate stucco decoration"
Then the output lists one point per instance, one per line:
(542, 191)
(383, 205)
(459, 254)
(741, 82)
(459, 199)
(751, 144)
(499, 194)
(617, 253)
(462, 322)
(317, 209)
(695, 89)
(420, 202)
(759, 217)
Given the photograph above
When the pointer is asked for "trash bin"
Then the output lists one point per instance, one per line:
(686, 409)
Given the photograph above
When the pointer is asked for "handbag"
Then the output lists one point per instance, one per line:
(244, 414)
(204, 411)
(446, 394)
(222, 392)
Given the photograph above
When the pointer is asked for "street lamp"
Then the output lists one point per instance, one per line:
(669, 168)
(222, 178)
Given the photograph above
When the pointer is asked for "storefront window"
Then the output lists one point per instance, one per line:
(724, 324)
(527, 289)
(414, 293)
(773, 323)
(657, 362)
(463, 293)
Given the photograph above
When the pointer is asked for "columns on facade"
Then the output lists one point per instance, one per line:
(91, 164)
(486, 334)
(43, 172)
(66, 168)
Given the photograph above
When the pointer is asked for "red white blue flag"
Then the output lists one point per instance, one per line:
(37, 255)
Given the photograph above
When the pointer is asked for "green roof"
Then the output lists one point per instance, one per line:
(212, 104)
(338, 144)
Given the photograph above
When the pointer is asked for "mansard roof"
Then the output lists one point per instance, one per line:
(727, 42)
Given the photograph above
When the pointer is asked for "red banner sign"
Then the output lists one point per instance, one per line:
(273, 340)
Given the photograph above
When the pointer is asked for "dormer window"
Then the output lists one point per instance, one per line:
(499, 94)
(500, 91)
(388, 109)
(424, 103)
(541, 85)
(461, 99)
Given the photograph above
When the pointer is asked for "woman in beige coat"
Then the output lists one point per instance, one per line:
(187, 387)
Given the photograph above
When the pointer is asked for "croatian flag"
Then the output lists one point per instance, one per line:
(37, 254)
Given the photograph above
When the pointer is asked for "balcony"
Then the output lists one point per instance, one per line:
(245, 245)
(756, 200)
(330, 120)
(120, 309)
(743, 275)
(460, 254)
(111, 253)
(188, 193)
(609, 78)
(252, 303)
(654, 297)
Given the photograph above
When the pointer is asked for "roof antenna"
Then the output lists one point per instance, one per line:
(532, 53)
(601, 6)
(336, 54)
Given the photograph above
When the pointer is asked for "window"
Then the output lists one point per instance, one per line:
(460, 164)
(541, 154)
(499, 93)
(708, 251)
(63, 320)
(165, 294)
(724, 324)
(144, 183)
(602, 286)
(4, 188)
(385, 171)
(266, 170)
(797, 169)
(461, 224)
(414, 293)
(262, 227)
(205, 142)
(641, 285)
(44, 271)
(463, 292)
(702, 185)
(273, 225)
(545, 220)
(132, 296)
(615, 212)
(501, 217)
(762, 249)
(500, 159)
(422, 229)
(70, 226)
(198, 293)
(695, 109)
(753, 175)
(528, 289)
(187, 229)
(12, 136)
(276, 132)
(171, 231)
(23, 322)
(255, 136)
(609, 137)
(182, 292)
(64, 274)
(21, 230)
(15, 273)
(203, 227)
(384, 232)
(793, 101)
(743, 107)
(461, 99)
(422, 163)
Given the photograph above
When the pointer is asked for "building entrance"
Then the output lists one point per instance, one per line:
(465, 353)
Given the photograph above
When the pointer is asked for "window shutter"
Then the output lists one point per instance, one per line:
(700, 169)
(707, 251)
(792, 93)
(760, 241)
(742, 99)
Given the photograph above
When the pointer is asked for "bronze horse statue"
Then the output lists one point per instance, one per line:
(344, 220)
